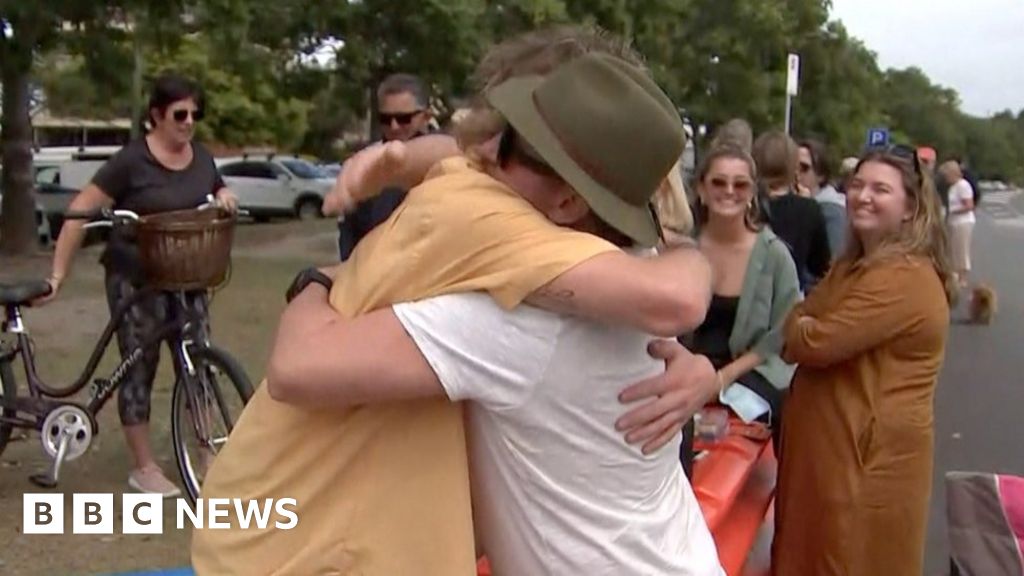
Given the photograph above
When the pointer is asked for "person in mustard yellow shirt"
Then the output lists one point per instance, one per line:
(555, 490)
(384, 489)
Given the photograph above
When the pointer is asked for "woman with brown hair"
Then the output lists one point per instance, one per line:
(163, 171)
(797, 219)
(857, 438)
(753, 289)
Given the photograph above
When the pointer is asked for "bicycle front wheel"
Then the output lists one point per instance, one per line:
(204, 409)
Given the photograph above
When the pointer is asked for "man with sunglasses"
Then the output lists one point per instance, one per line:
(403, 113)
(815, 174)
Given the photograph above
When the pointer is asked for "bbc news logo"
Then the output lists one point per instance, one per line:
(144, 514)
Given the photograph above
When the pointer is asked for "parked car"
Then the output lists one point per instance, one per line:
(42, 223)
(276, 186)
(332, 170)
(55, 200)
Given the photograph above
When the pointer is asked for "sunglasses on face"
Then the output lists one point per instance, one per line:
(403, 118)
(509, 145)
(741, 186)
(183, 114)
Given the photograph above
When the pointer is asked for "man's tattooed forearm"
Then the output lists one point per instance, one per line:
(552, 294)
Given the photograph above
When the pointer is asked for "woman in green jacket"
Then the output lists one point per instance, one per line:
(755, 286)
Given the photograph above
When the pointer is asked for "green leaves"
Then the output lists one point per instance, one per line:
(244, 104)
(717, 59)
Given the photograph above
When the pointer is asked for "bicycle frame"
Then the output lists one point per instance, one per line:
(178, 331)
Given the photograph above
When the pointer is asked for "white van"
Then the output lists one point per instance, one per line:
(70, 167)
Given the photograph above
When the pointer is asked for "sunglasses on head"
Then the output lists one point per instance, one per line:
(403, 118)
(183, 114)
(903, 152)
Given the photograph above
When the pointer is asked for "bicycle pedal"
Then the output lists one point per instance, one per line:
(43, 480)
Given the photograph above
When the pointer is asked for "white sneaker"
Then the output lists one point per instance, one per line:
(151, 480)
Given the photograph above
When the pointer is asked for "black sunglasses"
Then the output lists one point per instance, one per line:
(403, 118)
(183, 114)
(657, 221)
(509, 145)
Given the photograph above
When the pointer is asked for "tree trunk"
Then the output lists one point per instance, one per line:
(17, 215)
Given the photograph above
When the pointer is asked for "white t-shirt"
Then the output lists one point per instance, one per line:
(959, 194)
(556, 489)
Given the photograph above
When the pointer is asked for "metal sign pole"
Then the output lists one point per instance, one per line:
(792, 86)
(789, 111)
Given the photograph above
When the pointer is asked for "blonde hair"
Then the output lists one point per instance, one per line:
(923, 235)
(776, 156)
(534, 53)
(537, 53)
(673, 208)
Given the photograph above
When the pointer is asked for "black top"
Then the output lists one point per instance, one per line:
(137, 181)
(799, 222)
(712, 337)
(367, 216)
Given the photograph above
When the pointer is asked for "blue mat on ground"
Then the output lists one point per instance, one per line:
(164, 572)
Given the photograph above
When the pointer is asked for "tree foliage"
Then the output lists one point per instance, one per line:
(717, 59)
(83, 28)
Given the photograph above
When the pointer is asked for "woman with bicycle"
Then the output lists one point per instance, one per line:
(162, 172)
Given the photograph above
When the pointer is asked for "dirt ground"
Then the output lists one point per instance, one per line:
(244, 316)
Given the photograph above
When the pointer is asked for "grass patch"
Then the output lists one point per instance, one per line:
(244, 317)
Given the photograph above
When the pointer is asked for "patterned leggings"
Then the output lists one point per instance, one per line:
(142, 320)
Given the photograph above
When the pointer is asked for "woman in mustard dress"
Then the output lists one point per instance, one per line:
(857, 437)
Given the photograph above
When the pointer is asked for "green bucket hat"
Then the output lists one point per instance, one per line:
(606, 128)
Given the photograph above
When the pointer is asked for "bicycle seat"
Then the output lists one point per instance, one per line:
(22, 293)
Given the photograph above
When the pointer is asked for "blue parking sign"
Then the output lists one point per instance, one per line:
(878, 137)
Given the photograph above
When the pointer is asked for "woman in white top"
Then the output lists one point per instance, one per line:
(961, 219)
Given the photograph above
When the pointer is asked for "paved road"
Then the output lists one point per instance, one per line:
(979, 407)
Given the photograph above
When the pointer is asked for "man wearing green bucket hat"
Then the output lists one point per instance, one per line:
(606, 129)
(555, 489)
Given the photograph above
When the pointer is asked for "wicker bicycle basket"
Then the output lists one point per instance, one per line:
(186, 249)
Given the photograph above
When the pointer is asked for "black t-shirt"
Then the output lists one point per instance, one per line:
(711, 338)
(137, 181)
(368, 215)
(801, 225)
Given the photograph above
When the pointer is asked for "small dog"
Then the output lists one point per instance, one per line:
(983, 305)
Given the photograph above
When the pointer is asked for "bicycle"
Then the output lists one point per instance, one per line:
(200, 402)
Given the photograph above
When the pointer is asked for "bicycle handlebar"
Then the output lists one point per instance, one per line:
(212, 203)
(85, 214)
(101, 217)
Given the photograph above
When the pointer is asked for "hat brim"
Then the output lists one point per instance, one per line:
(514, 99)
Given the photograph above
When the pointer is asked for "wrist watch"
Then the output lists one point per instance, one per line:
(304, 278)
